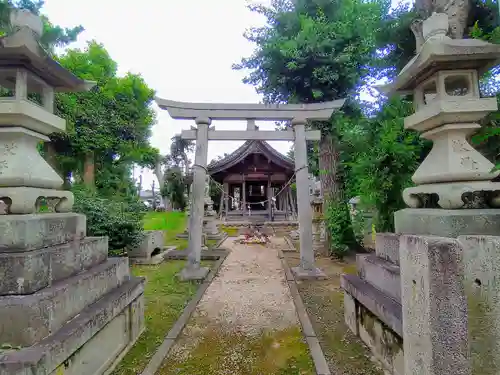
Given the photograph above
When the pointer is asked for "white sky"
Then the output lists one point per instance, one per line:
(184, 49)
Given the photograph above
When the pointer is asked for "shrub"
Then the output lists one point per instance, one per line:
(338, 225)
(118, 218)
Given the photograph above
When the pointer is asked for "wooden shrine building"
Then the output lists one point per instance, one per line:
(252, 176)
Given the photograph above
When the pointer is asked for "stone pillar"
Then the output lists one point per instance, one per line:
(269, 197)
(244, 194)
(193, 269)
(434, 306)
(226, 197)
(307, 269)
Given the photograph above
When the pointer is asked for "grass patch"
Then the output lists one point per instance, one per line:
(274, 353)
(231, 231)
(166, 298)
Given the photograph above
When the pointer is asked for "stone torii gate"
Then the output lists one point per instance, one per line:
(298, 115)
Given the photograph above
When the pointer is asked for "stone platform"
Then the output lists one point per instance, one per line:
(64, 305)
(372, 302)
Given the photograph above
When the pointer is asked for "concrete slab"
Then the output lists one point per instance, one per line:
(380, 273)
(30, 232)
(29, 271)
(385, 308)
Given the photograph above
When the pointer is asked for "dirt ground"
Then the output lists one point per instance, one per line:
(324, 301)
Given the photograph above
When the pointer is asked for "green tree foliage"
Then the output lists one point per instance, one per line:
(111, 123)
(174, 187)
(379, 173)
(312, 51)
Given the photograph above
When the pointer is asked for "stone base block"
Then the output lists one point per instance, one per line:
(25, 320)
(215, 236)
(312, 274)
(385, 345)
(92, 343)
(29, 271)
(191, 273)
(447, 223)
(387, 247)
(30, 232)
(372, 316)
(379, 304)
(154, 259)
(153, 241)
(380, 273)
(183, 235)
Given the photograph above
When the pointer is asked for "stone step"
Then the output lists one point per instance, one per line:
(25, 320)
(27, 272)
(385, 308)
(31, 232)
(387, 246)
(380, 273)
(91, 342)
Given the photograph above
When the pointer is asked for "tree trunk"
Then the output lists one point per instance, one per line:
(329, 163)
(331, 181)
(89, 170)
(186, 165)
(161, 180)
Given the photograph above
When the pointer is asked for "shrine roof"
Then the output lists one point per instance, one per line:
(248, 148)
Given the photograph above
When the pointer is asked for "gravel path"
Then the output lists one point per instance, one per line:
(250, 293)
(247, 306)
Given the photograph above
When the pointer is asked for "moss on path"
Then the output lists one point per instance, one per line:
(218, 352)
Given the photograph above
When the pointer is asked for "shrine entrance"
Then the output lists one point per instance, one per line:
(255, 181)
(297, 115)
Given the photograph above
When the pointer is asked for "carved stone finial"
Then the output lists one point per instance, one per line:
(436, 27)
(27, 29)
(23, 18)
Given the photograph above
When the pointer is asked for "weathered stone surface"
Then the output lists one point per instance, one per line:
(29, 271)
(481, 258)
(385, 344)
(25, 320)
(29, 232)
(380, 273)
(385, 308)
(153, 240)
(351, 313)
(447, 223)
(71, 349)
(387, 246)
(434, 306)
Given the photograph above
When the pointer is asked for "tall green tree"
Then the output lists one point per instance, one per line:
(108, 128)
(314, 51)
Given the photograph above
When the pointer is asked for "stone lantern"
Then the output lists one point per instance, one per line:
(27, 118)
(318, 222)
(444, 80)
(65, 307)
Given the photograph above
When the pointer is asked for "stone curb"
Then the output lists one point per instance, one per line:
(317, 354)
(291, 248)
(224, 237)
(162, 351)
